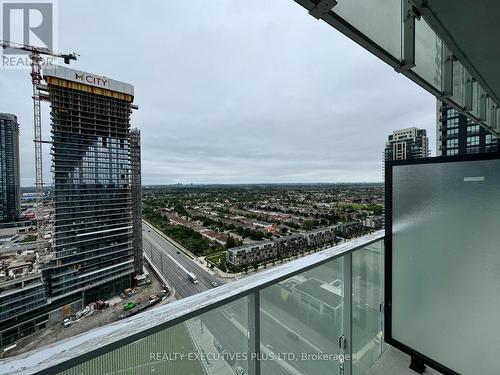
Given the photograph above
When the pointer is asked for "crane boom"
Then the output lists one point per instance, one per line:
(38, 50)
(35, 55)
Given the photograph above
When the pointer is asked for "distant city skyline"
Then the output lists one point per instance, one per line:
(238, 93)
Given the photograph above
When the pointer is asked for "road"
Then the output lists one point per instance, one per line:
(229, 329)
(174, 265)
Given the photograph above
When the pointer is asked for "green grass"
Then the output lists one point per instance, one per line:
(219, 260)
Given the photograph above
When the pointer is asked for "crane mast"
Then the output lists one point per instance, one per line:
(35, 55)
(36, 78)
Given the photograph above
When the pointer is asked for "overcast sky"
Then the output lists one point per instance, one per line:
(233, 91)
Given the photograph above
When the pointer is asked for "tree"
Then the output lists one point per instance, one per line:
(230, 242)
(256, 266)
(307, 224)
(247, 232)
(246, 269)
(256, 235)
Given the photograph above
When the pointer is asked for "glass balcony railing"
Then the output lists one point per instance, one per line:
(318, 314)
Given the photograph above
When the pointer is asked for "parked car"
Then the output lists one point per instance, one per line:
(129, 306)
(67, 322)
(214, 284)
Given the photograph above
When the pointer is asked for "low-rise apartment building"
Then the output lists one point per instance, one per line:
(278, 248)
(245, 255)
(374, 222)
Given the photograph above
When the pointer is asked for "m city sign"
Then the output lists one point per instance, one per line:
(92, 79)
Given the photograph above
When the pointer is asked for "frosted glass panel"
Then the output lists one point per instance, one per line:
(380, 21)
(446, 263)
(476, 94)
(489, 103)
(428, 54)
(458, 83)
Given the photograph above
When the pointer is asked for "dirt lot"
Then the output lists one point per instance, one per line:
(96, 319)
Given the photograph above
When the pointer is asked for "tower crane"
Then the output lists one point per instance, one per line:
(35, 55)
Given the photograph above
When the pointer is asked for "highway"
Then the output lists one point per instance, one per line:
(229, 329)
(174, 266)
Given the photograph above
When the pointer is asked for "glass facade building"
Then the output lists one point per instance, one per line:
(458, 135)
(20, 297)
(92, 188)
(10, 184)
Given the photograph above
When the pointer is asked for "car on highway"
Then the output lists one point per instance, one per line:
(214, 284)
(292, 336)
(178, 252)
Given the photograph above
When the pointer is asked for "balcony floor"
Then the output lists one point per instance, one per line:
(395, 362)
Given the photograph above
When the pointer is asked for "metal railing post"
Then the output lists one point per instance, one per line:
(347, 316)
(254, 333)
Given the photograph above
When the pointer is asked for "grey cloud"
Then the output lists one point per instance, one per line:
(235, 91)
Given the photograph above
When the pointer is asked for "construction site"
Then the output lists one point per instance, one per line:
(87, 249)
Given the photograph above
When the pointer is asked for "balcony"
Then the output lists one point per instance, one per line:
(318, 314)
(323, 313)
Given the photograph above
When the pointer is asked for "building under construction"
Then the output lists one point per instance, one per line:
(135, 158)
(97, 246)
(91, 161)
